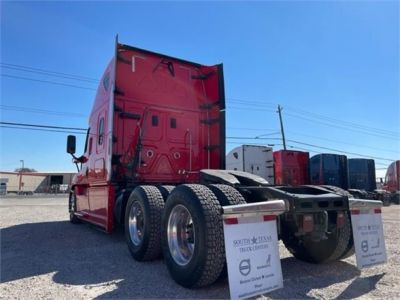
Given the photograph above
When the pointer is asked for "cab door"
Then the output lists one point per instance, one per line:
(81, 179)
(98, 191)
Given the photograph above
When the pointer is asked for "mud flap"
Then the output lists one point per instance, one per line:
(369, 241)
(251, 246)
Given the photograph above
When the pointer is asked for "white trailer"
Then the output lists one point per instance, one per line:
(254, 159)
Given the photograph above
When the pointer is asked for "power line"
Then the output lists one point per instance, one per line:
(48, 72)
(336, 125)
(253, 102)
(339, 126)
(253, 129)
(42, 126)
(48, 81)
(41, 111)
(342, 142)
(41, 129)
(343, 124)
(313, 115)
(250, 138)
(53, 75)
(250, 109)
(330, 119)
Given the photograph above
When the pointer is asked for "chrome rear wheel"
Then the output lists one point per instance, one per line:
(136, 223)
(181, 235)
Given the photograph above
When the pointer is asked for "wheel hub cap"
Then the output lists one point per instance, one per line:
(181, 235)
(136, 223)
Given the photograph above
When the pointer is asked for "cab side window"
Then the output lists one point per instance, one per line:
(90, 145)
(100, 133)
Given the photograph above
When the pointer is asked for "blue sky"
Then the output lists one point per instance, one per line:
(333, 66)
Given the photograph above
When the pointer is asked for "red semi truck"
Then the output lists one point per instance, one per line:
(154, 163)
(391, 185)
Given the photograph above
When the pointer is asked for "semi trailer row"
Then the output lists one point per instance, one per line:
(154, 163)
(290, 167)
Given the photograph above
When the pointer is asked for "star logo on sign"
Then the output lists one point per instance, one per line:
(254, 240)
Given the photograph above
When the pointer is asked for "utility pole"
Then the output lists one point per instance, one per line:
(20, 176)
(282, 131)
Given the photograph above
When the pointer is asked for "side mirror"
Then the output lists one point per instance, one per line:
(71, 144)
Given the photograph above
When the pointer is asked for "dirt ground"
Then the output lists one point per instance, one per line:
(44, 256)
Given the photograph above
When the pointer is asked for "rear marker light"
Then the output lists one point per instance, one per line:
(377, 210)
(308, 223)
(269, 218)
(340, 220)
(231, 221)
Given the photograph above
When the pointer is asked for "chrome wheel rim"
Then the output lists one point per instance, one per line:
(181, 235)
(136, 223)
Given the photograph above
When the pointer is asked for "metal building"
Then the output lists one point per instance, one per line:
(35, 182)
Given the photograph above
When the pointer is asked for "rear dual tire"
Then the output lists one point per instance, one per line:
(337, 245)
(143, 223)
(192, 236)
(190, 226)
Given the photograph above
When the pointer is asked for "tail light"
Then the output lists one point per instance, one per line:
(308, 223)
(340, 219)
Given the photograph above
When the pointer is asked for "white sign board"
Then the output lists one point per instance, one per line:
(369, 242)
(252, 255)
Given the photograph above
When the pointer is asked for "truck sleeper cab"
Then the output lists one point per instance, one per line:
(329, 169)
(154, 162)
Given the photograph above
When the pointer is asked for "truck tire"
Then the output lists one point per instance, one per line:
(165, 190)
(143, 223)
(192, 236)
(72, 209)
(344, 249)
(226, 195)
(337, 244)
(349, 251)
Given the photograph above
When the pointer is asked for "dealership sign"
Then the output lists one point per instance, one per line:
(252, 255)
(369, 242)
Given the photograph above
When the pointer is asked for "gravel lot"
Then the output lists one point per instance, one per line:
(44, 256)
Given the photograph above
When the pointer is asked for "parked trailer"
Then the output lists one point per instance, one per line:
(291, 167)
(362, 174)
(356, 176)
(362, 178)
(253, 159)
(329, 169)
(154, 162)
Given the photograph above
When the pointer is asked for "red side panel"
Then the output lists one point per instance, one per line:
(291, 167)
(168, 123)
